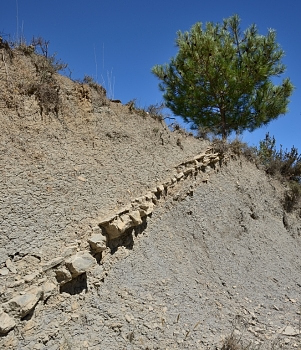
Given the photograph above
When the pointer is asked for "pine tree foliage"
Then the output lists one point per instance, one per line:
(221, 77)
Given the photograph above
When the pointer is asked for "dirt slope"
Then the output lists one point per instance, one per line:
(119, 234)
(61, 170)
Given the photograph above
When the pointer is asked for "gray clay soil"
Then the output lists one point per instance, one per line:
(216, 255)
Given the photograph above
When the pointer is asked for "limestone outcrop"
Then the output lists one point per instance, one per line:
(51, 276)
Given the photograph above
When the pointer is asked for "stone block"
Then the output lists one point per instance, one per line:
(114, 228)
(7, 323)
(63, 275)
(146, 208)
(49, 289)
(80, 263)
(136, 217)
(98, 242)
(127, 223)
(21, 305)
(52, 263)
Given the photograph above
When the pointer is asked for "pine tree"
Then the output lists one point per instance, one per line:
(221, 78)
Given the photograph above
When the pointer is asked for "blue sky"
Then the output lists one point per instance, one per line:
(118, 41)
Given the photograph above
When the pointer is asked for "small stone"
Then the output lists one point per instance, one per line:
(146, 208)
(179, 176)
(128, 318)
(188, 171)
(149, 196)
(114, 228)
(10, 266)
(7, 323)
(127, 222)
(4, 271)
(81, 178)
(289, 330)
(160, 188)
(30, 277)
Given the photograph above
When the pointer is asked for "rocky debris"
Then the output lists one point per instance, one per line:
(168, 306)
(24, 303)
(66, 267)
(52, 263)
(143, 206)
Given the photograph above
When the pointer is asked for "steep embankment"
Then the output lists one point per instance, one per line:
(59, 170)
(119, 234)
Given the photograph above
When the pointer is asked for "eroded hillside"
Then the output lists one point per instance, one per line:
(117, 233)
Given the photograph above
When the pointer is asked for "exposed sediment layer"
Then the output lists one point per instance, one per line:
(61, 273)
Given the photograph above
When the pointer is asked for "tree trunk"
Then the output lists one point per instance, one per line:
(224, 127)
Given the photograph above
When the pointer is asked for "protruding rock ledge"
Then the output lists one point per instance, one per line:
(131, 216)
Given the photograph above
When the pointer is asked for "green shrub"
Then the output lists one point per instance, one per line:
(235, 147)
(284, 162)
(93, 84)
